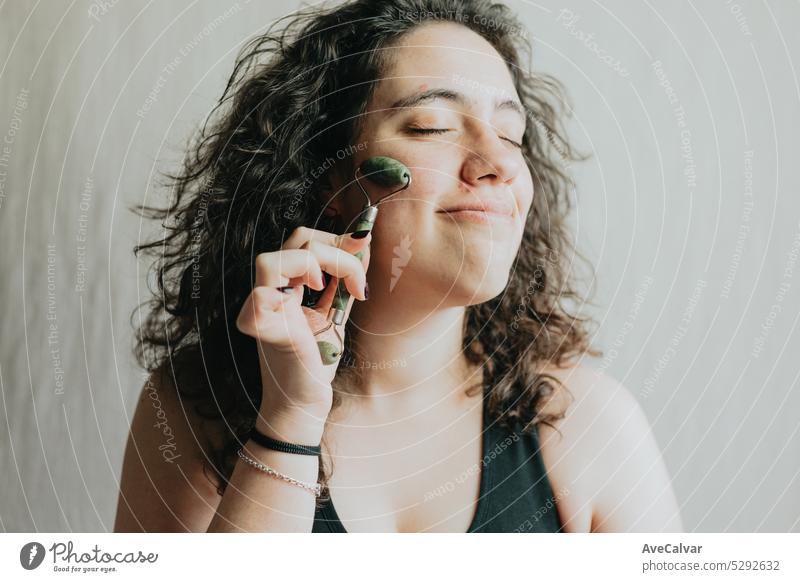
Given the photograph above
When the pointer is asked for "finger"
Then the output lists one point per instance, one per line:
(341, 264)
(303, 234)
(305, 265)
(325, 301)
(346, 242)
(360, 249)
(288, 267)
(294, 288)
(264, 316)
(352, 245)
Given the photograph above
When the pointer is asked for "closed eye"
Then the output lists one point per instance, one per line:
(438, 130)
(427, 130)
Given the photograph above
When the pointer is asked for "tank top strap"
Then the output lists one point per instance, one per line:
(519, 497)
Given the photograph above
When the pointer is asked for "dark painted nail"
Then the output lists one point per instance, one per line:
(287, 290)
(366, 290)
(359, 234)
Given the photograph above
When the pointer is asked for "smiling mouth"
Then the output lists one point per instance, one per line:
(477, 216)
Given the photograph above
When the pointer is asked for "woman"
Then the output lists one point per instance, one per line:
(458, 403)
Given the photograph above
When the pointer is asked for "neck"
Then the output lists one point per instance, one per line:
(408, 360)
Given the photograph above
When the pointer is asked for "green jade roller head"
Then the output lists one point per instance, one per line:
(384, 172)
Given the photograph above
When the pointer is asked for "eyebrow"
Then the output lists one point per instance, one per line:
(454, 96)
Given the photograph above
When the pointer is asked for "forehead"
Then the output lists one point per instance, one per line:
(444, 54)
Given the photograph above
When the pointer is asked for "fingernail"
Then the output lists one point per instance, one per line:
(359, 234)
(366, 291)
(288, 290)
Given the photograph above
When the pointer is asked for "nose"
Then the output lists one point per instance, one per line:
(490, 159)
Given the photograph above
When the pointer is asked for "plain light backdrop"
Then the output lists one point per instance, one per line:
(689, 210)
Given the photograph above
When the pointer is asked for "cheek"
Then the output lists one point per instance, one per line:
(407, 229)
(524, 193)
(399, 230)
(412, 209)
(434, 167)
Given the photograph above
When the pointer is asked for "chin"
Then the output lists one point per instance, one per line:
(477, 290)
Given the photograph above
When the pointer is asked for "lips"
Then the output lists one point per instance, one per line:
(492, 206)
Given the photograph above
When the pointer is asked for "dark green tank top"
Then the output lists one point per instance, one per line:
(515, 493)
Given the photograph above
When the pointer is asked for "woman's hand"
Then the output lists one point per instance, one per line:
(295, 382)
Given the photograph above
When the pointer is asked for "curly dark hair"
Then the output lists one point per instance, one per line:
(297, 95)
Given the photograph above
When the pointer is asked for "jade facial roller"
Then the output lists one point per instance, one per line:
(386, 173)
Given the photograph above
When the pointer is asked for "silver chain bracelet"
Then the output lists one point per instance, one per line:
(315, 488)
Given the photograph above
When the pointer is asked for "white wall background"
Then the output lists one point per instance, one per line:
(692, 278)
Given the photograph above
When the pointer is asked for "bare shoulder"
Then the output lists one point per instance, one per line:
(164, 486)
(602, 454)
(588, 399)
